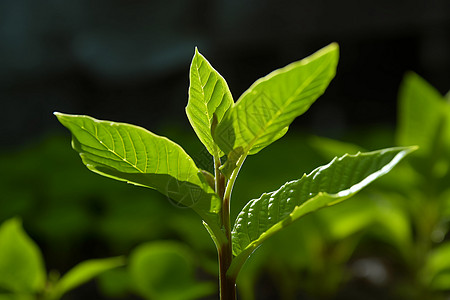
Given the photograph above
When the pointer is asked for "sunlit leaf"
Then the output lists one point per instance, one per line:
(133, 154)
(21, 265)
(209, 100)
(264, 112)
(325, 186)
(84, 272)
(165, 271)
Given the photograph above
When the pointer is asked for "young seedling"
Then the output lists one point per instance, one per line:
(230, 132)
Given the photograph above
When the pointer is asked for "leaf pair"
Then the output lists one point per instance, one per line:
(264, 112)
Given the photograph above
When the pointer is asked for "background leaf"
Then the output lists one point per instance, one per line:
(84, 272)
(263, 113)
(209, 100)
(420, 113)
(325, 186)
(165, 271)
(21, 265)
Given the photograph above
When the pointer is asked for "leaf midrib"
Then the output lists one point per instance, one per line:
(111, 150)
(197, 67)
(202, 87)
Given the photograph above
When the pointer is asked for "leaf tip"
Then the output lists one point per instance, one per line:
(196, 52)
(57, 114)
(413, 148)
(60, 115)
(334, 45)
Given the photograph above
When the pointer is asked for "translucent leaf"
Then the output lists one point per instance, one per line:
(165, 271)
(21, 264)
(85, 272)
(130, 153)
(421, 110)
(209, 100)
(264, 112)
(325, 186)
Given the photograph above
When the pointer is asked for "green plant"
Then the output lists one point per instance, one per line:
(22, 270)
(230, 132)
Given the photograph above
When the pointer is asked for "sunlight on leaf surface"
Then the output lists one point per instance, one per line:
(209, 100)
(133, 154)
(325, 186)
(264, 112)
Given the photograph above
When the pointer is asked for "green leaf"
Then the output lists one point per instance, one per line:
(165, 271)
(21, 265)
(209, 100)
(421, 113)
(325, 186)
(130, 153)
(84, 272)
(264, 112)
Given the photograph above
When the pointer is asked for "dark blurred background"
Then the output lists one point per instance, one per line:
(128, 61)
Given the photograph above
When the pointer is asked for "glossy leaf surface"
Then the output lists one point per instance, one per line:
(264, 112)
(209, 100)
(325, 186)
(21, 265)
(133, 154)
(130, 153)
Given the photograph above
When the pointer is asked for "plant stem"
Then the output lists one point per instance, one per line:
(219, 178)
(225, 252)
(228, 283)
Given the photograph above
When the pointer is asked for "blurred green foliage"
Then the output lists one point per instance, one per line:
(22, 270)
(21, 264)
